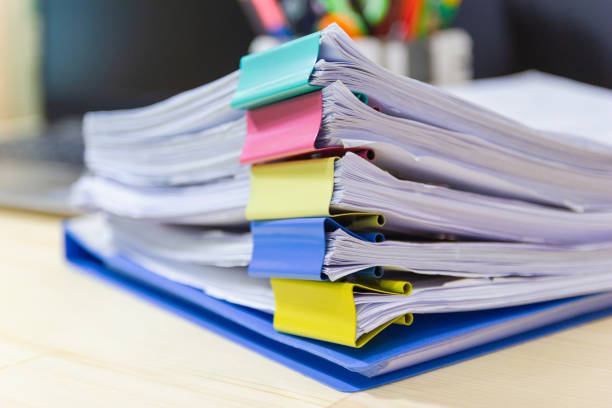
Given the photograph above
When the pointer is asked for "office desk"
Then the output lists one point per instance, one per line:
(68, 339)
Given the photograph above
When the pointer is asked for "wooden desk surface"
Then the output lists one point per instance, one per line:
(70, 340)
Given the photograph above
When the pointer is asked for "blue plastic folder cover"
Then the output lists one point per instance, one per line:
(340, 367)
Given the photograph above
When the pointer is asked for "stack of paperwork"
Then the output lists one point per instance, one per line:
(358, 226)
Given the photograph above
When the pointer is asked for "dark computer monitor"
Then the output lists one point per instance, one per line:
(109, 54)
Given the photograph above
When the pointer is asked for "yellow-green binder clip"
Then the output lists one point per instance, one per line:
(326, 310)
(301, 188)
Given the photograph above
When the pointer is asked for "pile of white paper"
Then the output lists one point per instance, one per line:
(414, 150)
(192, 137)
(347, 254)
(530, 211)
(430, 294)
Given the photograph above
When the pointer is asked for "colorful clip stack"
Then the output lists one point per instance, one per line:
(290, 203)
(332, 203)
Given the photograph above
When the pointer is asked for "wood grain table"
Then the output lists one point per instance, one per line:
(71, 340)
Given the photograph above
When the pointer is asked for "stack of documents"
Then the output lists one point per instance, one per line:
(358, 226)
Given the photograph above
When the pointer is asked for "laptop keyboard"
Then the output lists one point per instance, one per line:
(62, 142)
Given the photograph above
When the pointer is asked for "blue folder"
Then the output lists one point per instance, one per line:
(343, 368)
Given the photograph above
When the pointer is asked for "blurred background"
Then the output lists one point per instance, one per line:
(65, 57)
(61, 58)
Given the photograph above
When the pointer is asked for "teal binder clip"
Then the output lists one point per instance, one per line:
(277, 74)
